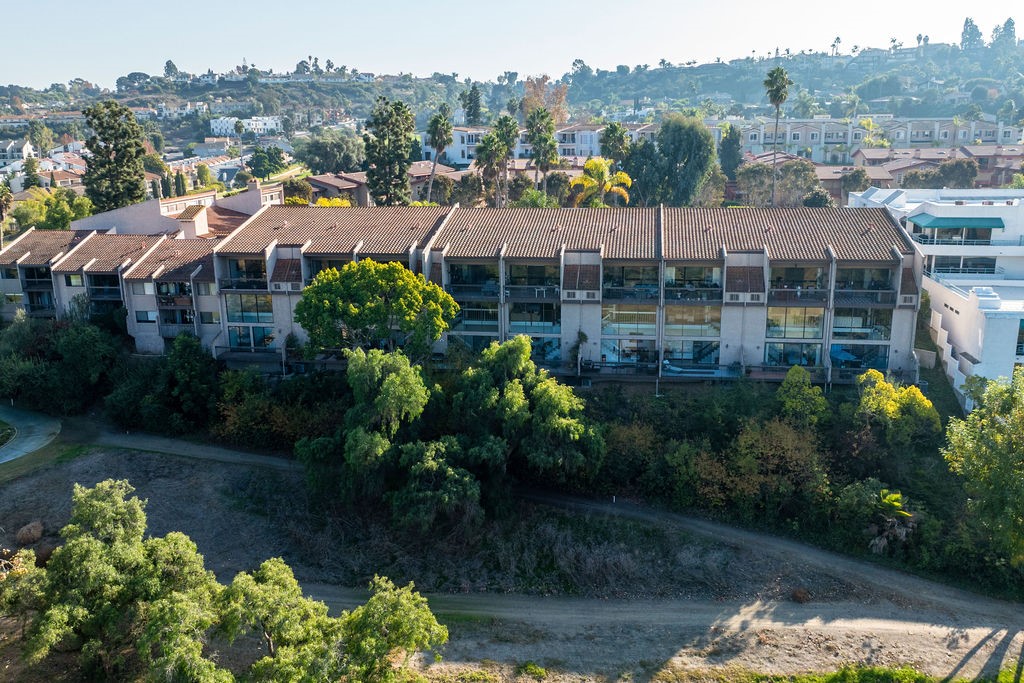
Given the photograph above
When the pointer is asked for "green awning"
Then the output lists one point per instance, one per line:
(926, 220)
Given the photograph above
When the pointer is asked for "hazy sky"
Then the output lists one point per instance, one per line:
(46, 41)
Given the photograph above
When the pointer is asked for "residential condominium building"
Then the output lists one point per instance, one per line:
(970, 245)
(623, 291)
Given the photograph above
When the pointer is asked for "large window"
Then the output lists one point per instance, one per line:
(535, 317)
(863, 278)
(247, 269)
(476, 316)
(791, 277)
(534, 276)
(693, 321)
(794, 323)
(249, 308)
(698, 276)
(240, 337)
(546, 350)
(473, 274)
(630, 276)
(788, 355)
(629, 319)
(862, 323)
(686, 352)
(629, 351)
(859, 356)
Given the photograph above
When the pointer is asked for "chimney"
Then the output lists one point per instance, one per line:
(253, 196)
(194, 223)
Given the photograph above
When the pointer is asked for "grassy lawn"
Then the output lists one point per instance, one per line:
(57, 451)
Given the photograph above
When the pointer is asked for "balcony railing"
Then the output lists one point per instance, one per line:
(531, 292)
(105, 293)
(178, 301)
(40, 309)
(925, 239)
(799, 295)
(487, 289)
(673, 294)
(642, 292)
(937, 273)
(244, 283)
(36, 284)
(534, 327)
(855, 297)
(174, 329)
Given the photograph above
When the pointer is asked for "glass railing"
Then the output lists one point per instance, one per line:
(531, 292)
(168, 300)
(673, 293)
(634, 292)
(797, 295)
(844, 297)
(474, 289)
(104, 292)
(244, 283)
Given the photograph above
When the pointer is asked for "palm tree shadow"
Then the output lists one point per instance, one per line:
(993, 664)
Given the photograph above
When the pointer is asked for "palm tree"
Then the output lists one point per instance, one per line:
(490, 157)
(777, 87)
(506, 130)
(439, 134)
(598, 180)
(540, 132)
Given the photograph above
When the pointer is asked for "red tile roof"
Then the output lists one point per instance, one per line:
(105, 253)
(788, 234)
(174, 260)
(287, 270)
(39, 247)
(624, 233)
(383, 230)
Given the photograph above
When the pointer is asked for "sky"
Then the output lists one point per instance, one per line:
(104, 39)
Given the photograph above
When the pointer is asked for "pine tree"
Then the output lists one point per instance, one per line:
(31, 171)
(165, 186)
(114, 175)
(388, 142)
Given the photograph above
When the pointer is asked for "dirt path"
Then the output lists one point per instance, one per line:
(905, 620)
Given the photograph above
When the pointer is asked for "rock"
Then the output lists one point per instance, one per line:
(30, 533)
(801, 595)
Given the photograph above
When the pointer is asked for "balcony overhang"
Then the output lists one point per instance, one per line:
(926, 220)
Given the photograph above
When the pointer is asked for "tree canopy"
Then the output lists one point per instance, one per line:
(367, 303)
(114, 175)
(388, 141)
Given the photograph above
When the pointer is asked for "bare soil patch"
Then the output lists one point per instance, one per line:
(588, 596)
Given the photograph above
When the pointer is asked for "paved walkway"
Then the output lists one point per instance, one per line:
(160, 444)
(32, 432)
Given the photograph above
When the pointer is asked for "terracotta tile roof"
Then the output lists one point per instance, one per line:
(744, 279)
(222, 222)
(287, 270)
(790, 234)
(422, 168)
(383, 230)
(993, 150)
(826, 173)
(175, 260)
(541, 233)
(582, 277)
(190, 212)
(106, 252)
(42, 246)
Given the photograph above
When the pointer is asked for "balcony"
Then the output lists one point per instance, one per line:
(925, 239)
(531, 292)
(943, 273)
(172, 330)
(797, 296)
(175, 301)
(692, 294)
(36, 284)
(40, 310)
(244, 283)
(632, 293)
(105, 293)
(481, 289)
(864, 297)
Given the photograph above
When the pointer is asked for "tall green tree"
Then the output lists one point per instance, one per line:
(490, 158)
(598, 181)
(776, 86)
(331, 152)
(388, 144)
(367, 302)
(180, 187)
(730, 150)
(6, 201)
(688, 152)
(114, 175)
(970, 37)
(985, 449)
(645, 165)
(615, 143)
(30, 169)
(506, 131)
(856, 180)
(540, 133)
(41, 137)
(439, 137)
(470, 101)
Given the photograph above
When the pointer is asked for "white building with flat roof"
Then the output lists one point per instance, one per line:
(970, 250)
